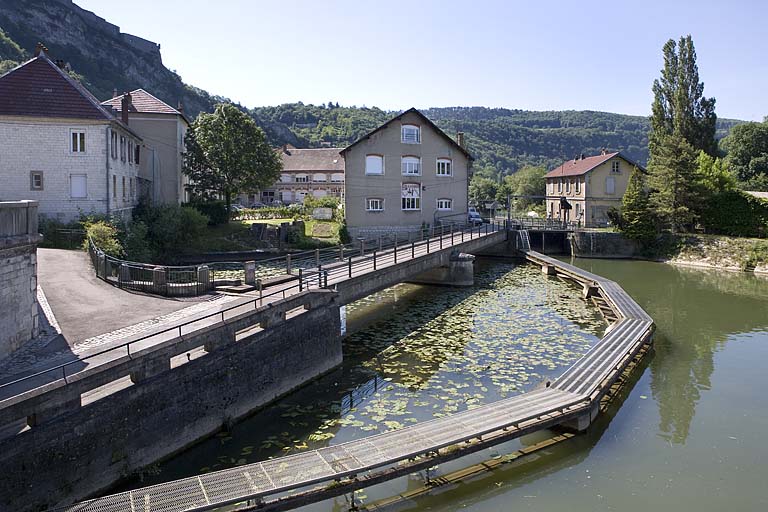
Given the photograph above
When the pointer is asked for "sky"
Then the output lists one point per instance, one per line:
(532, 55)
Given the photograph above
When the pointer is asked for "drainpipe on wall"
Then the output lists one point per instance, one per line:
(109, 155)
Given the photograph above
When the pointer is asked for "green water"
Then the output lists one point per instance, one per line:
(688, 435)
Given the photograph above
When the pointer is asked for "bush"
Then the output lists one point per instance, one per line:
(172, 229)
(60, 235)
(735, 213)
(135, 243)
(104, 236)
(215, 210)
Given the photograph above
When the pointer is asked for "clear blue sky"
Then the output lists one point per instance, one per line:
(534, 54)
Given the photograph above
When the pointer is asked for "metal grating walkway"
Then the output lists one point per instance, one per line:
(576, 390)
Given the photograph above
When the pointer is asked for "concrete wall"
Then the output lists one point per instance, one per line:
(590, 244)
(74, 450)
(161, 161)
(18, 275)
(387, 142)
(44, 145)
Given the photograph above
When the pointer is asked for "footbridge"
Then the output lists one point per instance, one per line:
(277, 484)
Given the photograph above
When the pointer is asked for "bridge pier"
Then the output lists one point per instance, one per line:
(582, 422)
(460, 271)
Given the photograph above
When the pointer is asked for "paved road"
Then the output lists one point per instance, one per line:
(86, 306)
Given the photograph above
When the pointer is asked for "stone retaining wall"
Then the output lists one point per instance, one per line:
(18, 274)
(83, 439)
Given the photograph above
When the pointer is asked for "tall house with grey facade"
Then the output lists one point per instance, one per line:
(162, 129)
(404, 175)
(61, 147)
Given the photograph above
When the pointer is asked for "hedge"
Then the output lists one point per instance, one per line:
(735, 213)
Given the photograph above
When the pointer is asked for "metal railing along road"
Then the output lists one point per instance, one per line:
(316, 277)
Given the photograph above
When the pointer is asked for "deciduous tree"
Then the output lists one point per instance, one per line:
(226, 153)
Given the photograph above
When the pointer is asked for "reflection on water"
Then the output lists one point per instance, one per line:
(415, 353)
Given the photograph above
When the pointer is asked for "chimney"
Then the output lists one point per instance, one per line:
(61, 64)
(582, 156)
(114, 93)
(460, 139)
(603, 151)
(126, 105)
(40, 48)
(181, 107)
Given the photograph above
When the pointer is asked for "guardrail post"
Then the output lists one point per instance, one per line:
(301, 284)
(325, 276)
(395, 251)
(413, 250)
(441, 241)
(317, 257)
(374, 259)
(288, 264)
(350, 266)
(427, 244)
(451, 234)
(319, 276)
(261, 292)
(462, 235)
(341, 253)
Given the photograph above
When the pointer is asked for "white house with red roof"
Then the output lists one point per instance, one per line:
(61, 147)
(162, 129)
(584, 189)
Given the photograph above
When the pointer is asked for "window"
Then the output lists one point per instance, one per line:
(123, 187)
(374, 204)
(78, 141)
(113, 144)
(444, 167)
(114, 186)
(78, 186)
(337, 178)
(410, 195)
(130, 151)
(610, 185)
(136, 156)
(122, 148)
(319, 178)
(131, 188)
(411, 166)
(410, 134)
(567, 186)
(35, 180)
(615, 167)
(302, 178)
(560, 185)
(445, 204)
(374, 164)
(285, 178)
(578, 185)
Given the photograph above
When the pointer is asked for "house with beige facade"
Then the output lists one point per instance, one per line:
(590, 185)
(404, 175)
(61, 147)
(162, 128)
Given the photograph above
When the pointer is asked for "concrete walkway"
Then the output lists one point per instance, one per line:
(86, 306)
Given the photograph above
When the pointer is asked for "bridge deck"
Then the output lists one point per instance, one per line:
(574, 392)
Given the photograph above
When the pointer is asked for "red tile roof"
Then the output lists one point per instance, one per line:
(143, 103)
(580, 166)
(322, 159)
(38, 88)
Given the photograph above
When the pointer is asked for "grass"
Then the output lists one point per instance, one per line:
(236, 235)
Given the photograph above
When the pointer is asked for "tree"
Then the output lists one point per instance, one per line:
(679, 105)
(228, 153)
(637, 220)
(528, 181)
(682, 124)
(674, 192)
(747, 148)
(713, 176)
(482, 190)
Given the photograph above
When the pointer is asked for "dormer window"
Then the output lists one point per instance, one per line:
(410, 134)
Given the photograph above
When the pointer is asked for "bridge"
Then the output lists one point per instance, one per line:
(571, 400)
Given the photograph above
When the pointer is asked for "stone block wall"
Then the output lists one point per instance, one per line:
(77, 447)
(18, 275)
